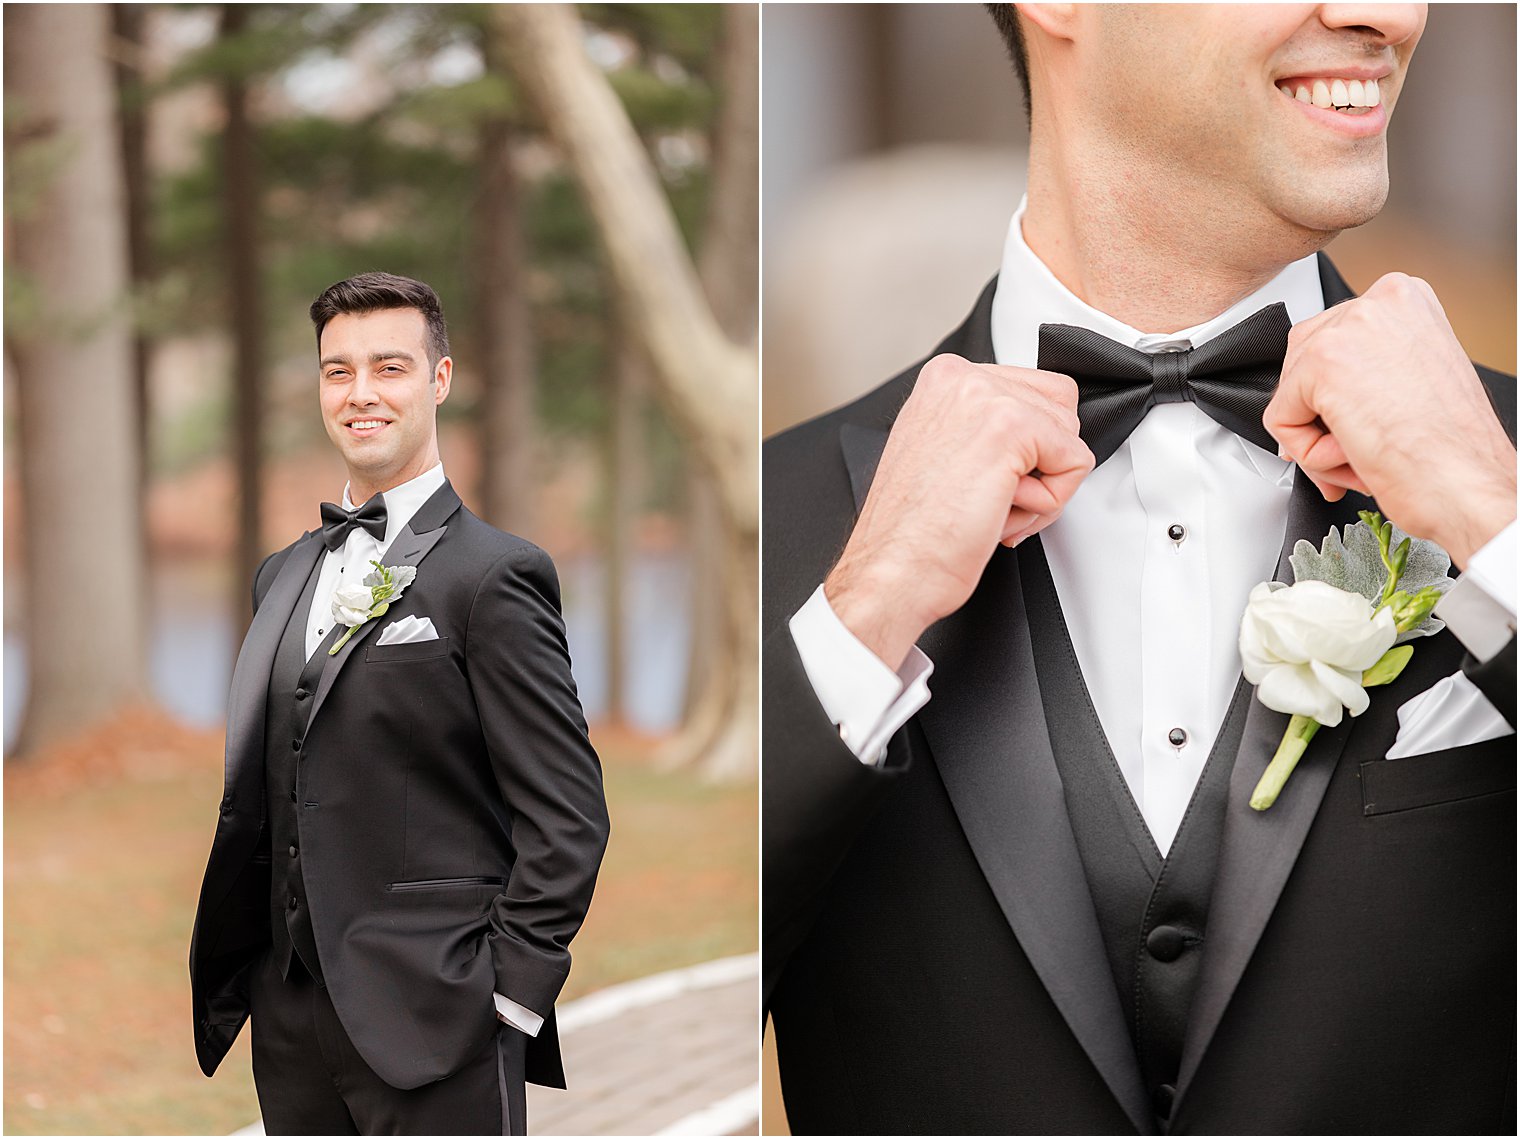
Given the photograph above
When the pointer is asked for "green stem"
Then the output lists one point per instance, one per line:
(343, 640)
(1295, 740)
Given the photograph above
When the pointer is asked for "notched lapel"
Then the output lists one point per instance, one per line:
(248, 695)
(1258, 849)
(862, 448)
(986, 729)
(411, 546)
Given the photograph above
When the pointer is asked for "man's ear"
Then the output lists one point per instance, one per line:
(443, 375)
(1058, 21)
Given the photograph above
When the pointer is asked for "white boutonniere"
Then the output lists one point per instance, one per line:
(353, 605)
(1314, 647)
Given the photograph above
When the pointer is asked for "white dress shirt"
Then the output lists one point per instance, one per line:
(1154, 621)
(350, 562)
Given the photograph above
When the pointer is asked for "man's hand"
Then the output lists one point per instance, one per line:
(980, 454)
(1377, 396)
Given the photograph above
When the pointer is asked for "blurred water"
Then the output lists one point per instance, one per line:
(193, 644)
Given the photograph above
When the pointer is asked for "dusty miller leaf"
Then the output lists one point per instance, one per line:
(1356, 566)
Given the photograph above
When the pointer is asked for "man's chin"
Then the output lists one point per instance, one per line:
(1341, 206)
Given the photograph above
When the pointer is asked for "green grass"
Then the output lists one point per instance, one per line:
(101, 883)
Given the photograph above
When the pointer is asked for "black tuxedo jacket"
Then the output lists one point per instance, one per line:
(932, 955)
(452, 818)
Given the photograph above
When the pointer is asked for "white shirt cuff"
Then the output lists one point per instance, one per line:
(1480, 608)
(522, 1019)
(859, 693)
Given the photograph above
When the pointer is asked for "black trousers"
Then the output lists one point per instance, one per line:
(312, 1081)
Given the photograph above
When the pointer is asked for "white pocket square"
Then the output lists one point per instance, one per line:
(1450, 713)
(407, 631)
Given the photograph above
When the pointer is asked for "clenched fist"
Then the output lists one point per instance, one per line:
(1377, 396)
(980, 454)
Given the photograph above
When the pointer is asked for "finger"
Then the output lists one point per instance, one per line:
(1039, 523)
(1015, 524)
(1294, 440)
(1324, 454)
(1034, 496)
(1344, 477)
(1326, 462)
(1330, 491)
(1063, 464)
(1291, 417)
(1056, 386)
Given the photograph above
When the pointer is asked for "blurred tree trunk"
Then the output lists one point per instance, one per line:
(127, 22)
(240, 217)
(86, 629)
(625, 485)
(730, 270)
(730, 257)
(706, 380)
(504, 326)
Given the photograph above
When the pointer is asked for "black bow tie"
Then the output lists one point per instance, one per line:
(337, 522)
(1231, 378)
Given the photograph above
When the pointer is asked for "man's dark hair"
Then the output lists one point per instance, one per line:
(372, 292)
(1007, 20)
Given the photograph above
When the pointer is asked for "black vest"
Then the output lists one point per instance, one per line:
(292, 685)
(1152, 912)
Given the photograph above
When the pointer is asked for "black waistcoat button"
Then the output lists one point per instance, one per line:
(1165, 943)
(1162, 1099)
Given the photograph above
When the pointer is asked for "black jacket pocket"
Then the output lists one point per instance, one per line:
(414, 650)
(443, 883)
(1390, 785)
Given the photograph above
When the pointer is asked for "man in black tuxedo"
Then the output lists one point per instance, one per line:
(1038, 901)
(413, 816)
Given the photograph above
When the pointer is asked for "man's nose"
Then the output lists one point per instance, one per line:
(1390, 24)
(363, 390)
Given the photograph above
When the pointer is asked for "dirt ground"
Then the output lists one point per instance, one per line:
(105, 840)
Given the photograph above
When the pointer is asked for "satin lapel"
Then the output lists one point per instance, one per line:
(414, 543)
(1258, 849)
(249, 695)
(986, 728)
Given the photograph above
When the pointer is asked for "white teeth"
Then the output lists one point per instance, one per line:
(365, 424)
(1343, 94)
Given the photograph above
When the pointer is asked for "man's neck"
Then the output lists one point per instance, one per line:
(1141, 257)
(364, 486)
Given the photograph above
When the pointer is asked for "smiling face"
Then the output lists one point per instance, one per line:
(380, 396)
(1202, 102)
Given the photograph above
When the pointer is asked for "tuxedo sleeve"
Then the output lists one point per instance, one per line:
(548, 774)
(1481, 612)
(817, 797)
(263, 577)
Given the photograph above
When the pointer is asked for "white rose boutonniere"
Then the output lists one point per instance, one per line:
(353, 605)
(1314, 648)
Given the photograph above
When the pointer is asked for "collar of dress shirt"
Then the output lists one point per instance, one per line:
(1029, 295)
(401, 502)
